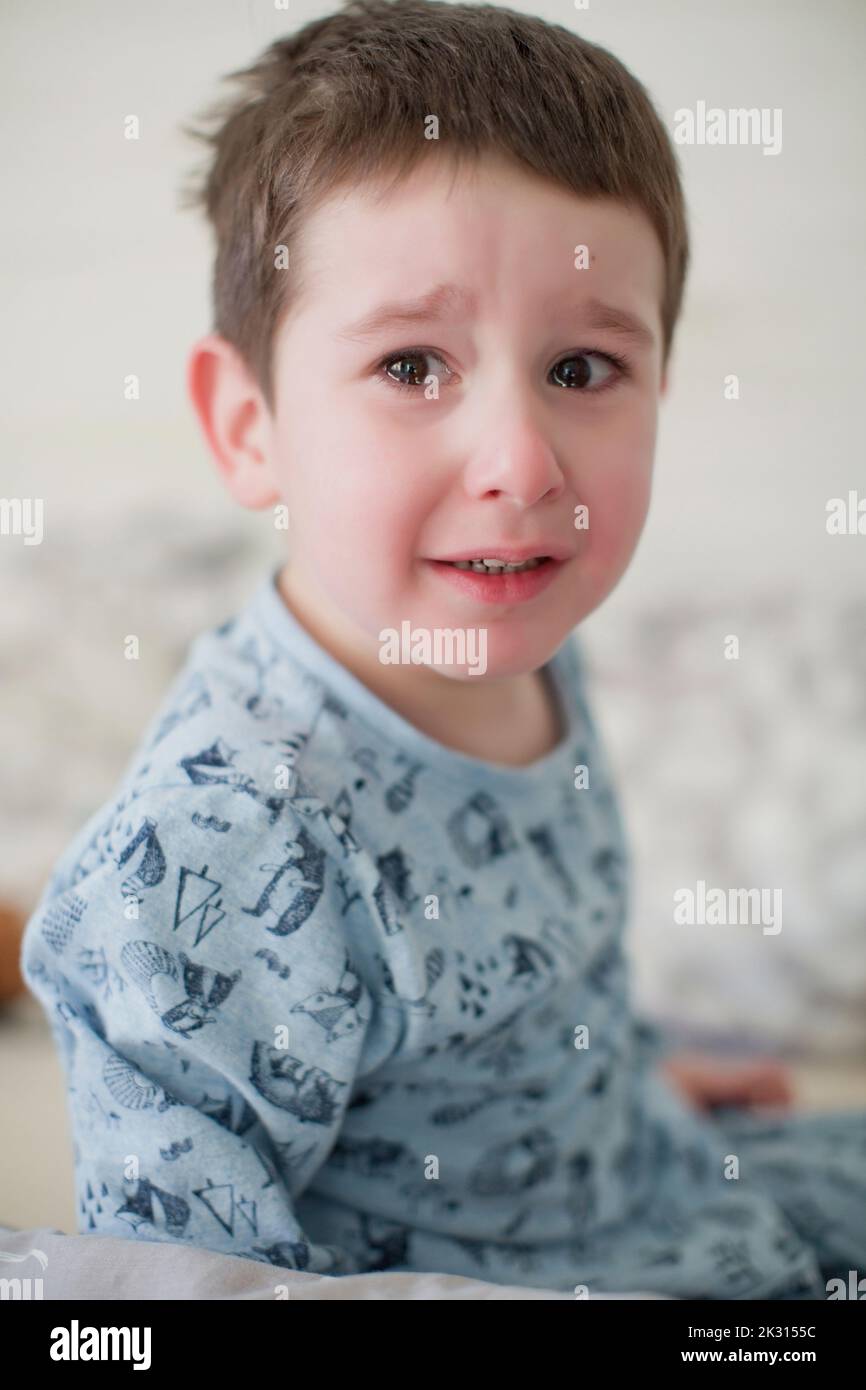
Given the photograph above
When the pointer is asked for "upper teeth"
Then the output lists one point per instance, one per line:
(491, 564)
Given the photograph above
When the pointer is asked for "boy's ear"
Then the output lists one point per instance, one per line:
(663, 389)
(234, 418)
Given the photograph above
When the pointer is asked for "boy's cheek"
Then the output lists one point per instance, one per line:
(616, 520)
(618, 504)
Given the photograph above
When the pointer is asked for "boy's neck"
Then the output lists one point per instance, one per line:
(513, 720)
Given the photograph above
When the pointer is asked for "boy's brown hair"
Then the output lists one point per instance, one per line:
(346, 100)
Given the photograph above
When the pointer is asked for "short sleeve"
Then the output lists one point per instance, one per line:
(195, 968)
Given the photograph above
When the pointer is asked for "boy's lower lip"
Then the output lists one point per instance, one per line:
(499, 588)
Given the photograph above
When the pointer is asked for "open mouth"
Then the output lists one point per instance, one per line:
(497, 567)
(497, 581)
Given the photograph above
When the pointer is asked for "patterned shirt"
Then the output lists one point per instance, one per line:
(333, 995)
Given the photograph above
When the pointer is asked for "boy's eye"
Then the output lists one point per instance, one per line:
(409, 370)
(580, 377)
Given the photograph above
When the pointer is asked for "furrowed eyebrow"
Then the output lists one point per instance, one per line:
(428, 308)
(446, 299)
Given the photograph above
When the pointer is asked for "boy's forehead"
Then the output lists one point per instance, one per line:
(499, 235)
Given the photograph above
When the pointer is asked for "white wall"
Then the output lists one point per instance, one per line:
(101, 274)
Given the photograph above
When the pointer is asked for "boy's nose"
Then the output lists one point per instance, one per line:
(518, 464)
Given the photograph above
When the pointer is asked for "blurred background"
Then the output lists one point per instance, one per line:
(743, 773)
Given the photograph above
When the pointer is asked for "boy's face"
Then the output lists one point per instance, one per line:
(381, 479)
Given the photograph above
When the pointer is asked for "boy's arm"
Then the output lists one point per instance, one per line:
(210, 1058)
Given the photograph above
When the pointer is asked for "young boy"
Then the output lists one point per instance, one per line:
(338, 975)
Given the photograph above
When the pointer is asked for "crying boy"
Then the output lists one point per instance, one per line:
(338, 975)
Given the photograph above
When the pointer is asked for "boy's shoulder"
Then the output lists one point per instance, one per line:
(212, 887)
(221, 773)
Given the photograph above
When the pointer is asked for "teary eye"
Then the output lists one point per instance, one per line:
(406, 362)
(409, 370)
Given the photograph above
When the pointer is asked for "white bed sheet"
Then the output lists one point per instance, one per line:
(106, 1267)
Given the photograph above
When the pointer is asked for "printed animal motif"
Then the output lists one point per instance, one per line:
(516, 1165)
(295, 886)
(131, 1089)
(307, 1091)
(215, 766)
(335, 1011)
(149, 1205)
(336, 818)
(184, 1001)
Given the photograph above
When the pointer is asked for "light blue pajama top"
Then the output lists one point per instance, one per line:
(332, 995)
